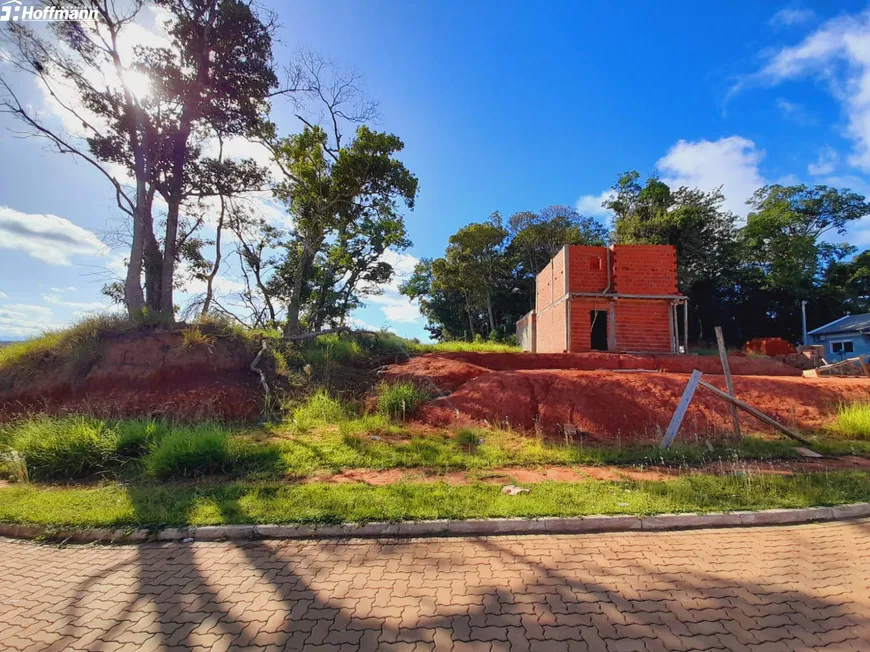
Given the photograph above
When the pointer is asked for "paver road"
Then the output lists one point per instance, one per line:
(793, 588)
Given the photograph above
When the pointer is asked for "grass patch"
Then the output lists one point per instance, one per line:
(321, 438)
(206, 449)
(853, 421)
(400, 400)
(65, 448)
(180, 505)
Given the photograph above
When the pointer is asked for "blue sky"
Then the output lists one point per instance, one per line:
(508, 106)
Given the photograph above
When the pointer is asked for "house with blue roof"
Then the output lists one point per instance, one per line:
(846, 337)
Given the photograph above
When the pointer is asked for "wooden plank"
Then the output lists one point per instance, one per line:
(723, 357)
(682, 406)
(758, 414)
(859, 359)
(864, 366)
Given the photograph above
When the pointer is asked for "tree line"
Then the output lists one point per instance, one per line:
(748, 276)
(155, 121)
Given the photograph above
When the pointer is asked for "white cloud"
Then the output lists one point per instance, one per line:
(728, 162)
(590, 205)
(795, 112)
(790, 17)
(2, 295)
(825, 164)
(25, 320)
(86, 306)
(397, 307)
(838, 54)
(49, 238)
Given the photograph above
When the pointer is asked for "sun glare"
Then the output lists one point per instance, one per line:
(137, 83)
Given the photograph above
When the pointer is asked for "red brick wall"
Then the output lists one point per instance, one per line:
(644, 269)
(550, 329)
(581, 321)
(544, 288)
(587, 268)
(643, 325)
(559, 275)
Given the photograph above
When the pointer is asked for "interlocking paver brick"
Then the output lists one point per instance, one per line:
(790, 588)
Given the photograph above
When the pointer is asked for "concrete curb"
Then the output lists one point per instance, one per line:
(484, 527)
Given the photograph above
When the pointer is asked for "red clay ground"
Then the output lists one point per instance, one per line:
(148, 374)
(531, 391)
(525, 476)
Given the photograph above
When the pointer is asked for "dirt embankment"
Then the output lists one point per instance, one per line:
(147, 374)
(588, 391)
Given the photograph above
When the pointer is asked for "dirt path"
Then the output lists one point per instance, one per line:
(527, 475)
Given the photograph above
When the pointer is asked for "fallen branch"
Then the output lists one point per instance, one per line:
(255, 367)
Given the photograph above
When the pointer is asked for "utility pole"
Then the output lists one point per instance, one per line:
(804, 318)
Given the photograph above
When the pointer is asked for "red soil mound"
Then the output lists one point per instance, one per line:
(148, 374)
(446, 374)
(739, 365)
(609, 405)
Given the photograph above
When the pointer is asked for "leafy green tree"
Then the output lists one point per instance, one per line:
(784, 233)
(341, 199)
(475, 260)
(537, 237)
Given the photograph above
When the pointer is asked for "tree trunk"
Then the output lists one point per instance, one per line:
(295, 303)
(209, 288)
(134, 298)
(167, 307)
(491, 315)
(153, 261)
(471, 324)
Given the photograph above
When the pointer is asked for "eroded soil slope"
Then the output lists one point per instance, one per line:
(147, 374)
(588, 391)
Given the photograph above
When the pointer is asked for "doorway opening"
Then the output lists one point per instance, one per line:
(598, 329)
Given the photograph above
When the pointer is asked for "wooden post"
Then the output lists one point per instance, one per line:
(682, 406)
(723, 356)
(864, 367)
(761, 416)
(686, 325)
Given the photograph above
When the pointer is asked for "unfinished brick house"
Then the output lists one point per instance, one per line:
(620, 298)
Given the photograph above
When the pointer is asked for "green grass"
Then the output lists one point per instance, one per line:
(116, 505)
(318, 409)
(401, 400)
(347, 349)
(65, 448)
(77, 447)
(853, 421)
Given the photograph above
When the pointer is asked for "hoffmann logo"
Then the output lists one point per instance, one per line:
(15, 10)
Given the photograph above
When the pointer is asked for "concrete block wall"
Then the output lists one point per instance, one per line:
(643, 325)
(526, 336)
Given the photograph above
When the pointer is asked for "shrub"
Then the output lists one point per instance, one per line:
(853, 421)
(65, 448)
(196, 450)
(137, 437)
(400, 400)
(194, 337)
(320, 407)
